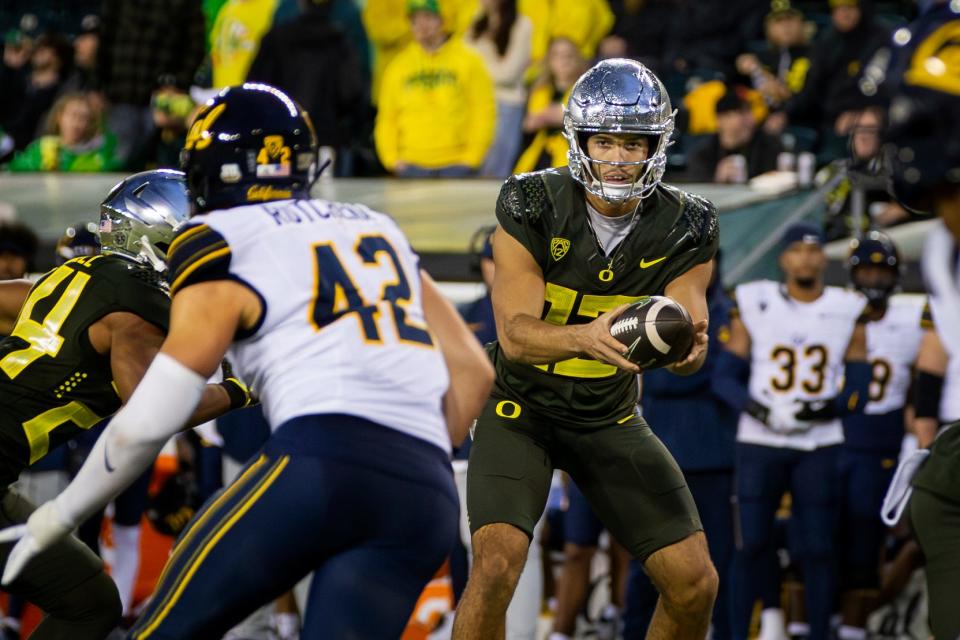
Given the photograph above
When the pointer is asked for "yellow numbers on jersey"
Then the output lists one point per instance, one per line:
(882, 371)
(788, 360)
(38, 429)
(43, 335)
(562, 301)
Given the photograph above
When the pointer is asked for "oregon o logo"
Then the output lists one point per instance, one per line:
(508, 409)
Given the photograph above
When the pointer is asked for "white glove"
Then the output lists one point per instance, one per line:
(783, 418)
(44, 527)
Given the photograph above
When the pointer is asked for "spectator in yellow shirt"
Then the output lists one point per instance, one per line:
(388, 29)
(437, 112)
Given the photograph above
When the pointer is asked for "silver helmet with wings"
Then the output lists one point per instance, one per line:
(618, 96)
(141, 214)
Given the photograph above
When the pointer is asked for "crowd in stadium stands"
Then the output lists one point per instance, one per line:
(397, 86)
(463, 88)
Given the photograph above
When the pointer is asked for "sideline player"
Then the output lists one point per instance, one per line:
(322, 307)
(896, 327)
(573, 246)
(786, 353)
(86, 334)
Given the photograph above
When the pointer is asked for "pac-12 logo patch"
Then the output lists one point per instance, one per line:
(559, 248)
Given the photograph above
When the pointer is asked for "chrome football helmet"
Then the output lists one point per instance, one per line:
(141, 214)
(618, 96)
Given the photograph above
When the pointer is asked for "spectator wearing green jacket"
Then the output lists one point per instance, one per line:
(75, 141)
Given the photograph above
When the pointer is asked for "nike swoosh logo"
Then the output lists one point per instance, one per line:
(106, 460)
(644, 264)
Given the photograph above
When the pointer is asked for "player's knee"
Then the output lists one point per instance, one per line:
(694, 590)
(499, 553)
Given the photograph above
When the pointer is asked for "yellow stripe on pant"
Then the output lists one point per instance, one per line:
(225, 523)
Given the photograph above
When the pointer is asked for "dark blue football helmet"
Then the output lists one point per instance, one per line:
(250, 143)
(875, 248)
(79, 240)
(924, 111)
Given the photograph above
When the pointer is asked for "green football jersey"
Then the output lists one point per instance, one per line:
(546, 212)
(52, 381)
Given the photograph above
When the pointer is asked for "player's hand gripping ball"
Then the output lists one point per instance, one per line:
(656, 330)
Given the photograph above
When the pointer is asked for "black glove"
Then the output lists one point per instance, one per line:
(240, 395)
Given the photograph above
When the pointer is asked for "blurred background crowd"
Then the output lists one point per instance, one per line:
(438, 87)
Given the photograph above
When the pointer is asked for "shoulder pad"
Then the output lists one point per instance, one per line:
(701, 217)
(117, 269)
(523, 196)
(198, 253)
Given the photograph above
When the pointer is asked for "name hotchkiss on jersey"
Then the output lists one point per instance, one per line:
(305, 211)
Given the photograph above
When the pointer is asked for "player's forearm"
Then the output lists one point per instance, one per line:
(469, 368)
(926, 431)
(214, 402)
(533, 341)
(159, 407)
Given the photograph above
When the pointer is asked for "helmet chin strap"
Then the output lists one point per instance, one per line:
(148, 252)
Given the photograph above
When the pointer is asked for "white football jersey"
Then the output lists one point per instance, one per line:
(950, 397)
(893, 343)
(342, 329)
(796, 353)
(941, 272)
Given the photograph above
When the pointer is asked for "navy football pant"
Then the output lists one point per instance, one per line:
(763, 475)
(864, 478)
(371, 511)
(712, 491)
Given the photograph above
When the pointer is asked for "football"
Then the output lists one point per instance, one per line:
(657, 330)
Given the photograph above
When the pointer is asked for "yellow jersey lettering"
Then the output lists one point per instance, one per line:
(44, 337)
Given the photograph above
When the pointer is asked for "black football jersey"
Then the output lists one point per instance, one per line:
(546, 212)
(52, 381)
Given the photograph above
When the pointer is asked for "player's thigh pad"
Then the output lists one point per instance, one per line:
(633, 484)
(508, 476)
(50, 578)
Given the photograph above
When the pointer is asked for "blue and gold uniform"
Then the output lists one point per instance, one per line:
(354, 483)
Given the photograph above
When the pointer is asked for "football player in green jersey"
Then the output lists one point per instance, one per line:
(84, 336)
(573, 246)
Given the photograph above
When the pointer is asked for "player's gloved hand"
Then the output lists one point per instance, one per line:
(783, 418)
(240, 395)
(44, 527)
(818, 410)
